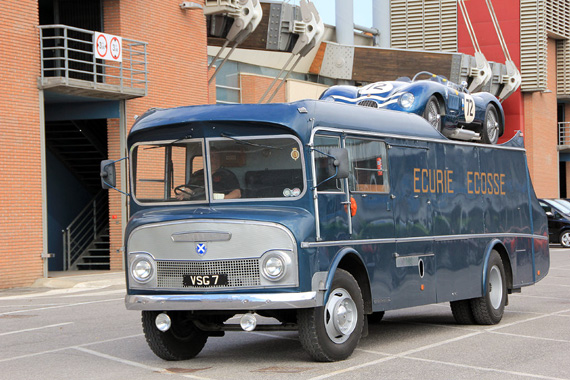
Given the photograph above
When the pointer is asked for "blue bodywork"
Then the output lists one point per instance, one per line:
(451, 228)
(450, 96)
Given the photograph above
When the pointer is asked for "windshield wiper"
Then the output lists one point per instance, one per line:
(170, 144)
(245, 142)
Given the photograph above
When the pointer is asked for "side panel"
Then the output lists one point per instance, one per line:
(413, 265)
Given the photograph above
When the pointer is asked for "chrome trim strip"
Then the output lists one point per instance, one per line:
(233, 301)
(414, 138)
(307, 244)
(201, 236)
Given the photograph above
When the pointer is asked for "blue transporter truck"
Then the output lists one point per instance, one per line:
(322, 216)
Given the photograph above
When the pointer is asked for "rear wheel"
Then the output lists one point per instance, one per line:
(432, 113)
(182, 341)
(332, 332)
(490, 130)
(489, 309)
(462, 312)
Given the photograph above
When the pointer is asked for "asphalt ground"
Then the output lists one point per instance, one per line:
(76, 327)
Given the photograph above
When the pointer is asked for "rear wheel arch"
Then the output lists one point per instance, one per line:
(500, 248)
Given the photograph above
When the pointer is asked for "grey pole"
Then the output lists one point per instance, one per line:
(381, 22)
(344, 19)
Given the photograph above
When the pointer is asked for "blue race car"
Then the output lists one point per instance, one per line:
(448, 107)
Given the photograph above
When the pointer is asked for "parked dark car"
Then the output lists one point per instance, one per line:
(447, 106)
(558, 214)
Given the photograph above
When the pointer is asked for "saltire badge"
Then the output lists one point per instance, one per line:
(201, 248)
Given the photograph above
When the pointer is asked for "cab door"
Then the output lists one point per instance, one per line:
(332, 198)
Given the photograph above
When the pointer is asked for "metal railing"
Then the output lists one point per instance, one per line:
(84, 229)
(68, 53)
(564, 133)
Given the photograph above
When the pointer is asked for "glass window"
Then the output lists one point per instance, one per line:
(324, 167)
(159, 169)
(270, 167)
(368, 165)
(253, 167)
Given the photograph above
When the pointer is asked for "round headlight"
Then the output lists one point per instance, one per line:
(274, 265)
(142, 270)
(407, 99)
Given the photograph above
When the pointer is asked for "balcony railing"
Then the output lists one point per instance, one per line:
(69, 65)
(564, 134)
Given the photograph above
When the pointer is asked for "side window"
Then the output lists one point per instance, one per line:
(368, 165)
(324, 165)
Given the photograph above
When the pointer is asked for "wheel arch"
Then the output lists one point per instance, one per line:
(497, 245)
(351, 261)
(442, 104)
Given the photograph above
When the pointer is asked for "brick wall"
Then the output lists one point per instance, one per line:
(541, 131)
(254, 86)
(177, 66)
(20, 182)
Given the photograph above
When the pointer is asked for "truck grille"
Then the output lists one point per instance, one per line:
(241, 273)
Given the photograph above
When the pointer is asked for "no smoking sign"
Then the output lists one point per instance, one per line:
(108, 47)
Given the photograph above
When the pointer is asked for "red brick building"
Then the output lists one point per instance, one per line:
(63, 109)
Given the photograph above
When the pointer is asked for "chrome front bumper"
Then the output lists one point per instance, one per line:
(255, 301)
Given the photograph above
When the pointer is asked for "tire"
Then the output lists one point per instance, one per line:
(489, 309)
(181, 342)
(462, 312)
(432, 113)
(564, 239)
(332, 332)
(375, 317)
(491, 127)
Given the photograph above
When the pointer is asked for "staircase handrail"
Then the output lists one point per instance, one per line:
(81, 232)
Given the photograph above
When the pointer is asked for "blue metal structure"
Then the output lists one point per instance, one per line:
(415, 219)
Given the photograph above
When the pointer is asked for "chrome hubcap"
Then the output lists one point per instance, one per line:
(495, 287)
(565, 240)
(340, 316)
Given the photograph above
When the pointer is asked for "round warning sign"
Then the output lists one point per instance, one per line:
(101, 46)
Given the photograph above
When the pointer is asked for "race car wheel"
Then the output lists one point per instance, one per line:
(490, 130)
(432, 113)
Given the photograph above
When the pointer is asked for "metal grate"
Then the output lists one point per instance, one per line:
(368, 103)
(241, 273)
(427, 24)
(533, 45)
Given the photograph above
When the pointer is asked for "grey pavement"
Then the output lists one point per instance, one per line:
(75, 326)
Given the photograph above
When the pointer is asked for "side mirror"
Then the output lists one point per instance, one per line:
(340, 161)
(108, 174)
(549, 213)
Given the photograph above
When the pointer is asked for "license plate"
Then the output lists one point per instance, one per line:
(205, 280)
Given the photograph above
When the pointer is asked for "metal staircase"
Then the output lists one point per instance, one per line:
(80, 145)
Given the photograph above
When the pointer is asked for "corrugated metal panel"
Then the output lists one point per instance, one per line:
(533, 45)
(426, 25)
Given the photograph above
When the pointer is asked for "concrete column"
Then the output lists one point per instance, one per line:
(381, 21)
(344, 19)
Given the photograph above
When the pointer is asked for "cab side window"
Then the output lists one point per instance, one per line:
(324, 164)
(368, 165)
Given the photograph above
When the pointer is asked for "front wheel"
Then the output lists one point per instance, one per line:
(432, 113)
(490, 130)
(489, 309)
(565, 239)
(181, 342)
(332, 332)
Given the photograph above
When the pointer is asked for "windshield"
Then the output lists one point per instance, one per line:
(236, 168)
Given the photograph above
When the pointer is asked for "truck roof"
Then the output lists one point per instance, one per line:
(300, 117)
